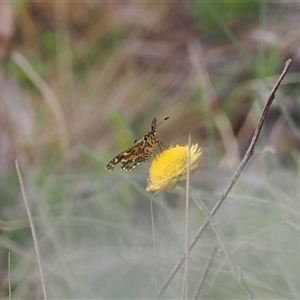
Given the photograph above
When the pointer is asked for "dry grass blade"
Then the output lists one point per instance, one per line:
(187, 206)
(235, 177)
(32, 230)
(9, 281)
(49, 97)
(206, 269)
(235, 270)
(154, 244)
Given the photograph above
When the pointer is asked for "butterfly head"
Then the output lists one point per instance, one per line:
(153, 126)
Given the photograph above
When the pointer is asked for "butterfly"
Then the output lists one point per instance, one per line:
(138, 153)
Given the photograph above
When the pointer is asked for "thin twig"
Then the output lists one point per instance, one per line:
(32, 230)
(206, 269)
(235, 177)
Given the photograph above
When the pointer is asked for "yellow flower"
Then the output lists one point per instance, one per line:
(170, 167)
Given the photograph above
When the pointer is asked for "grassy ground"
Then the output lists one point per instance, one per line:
(80, 81)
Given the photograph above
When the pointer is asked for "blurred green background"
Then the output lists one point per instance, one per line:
(80, 81)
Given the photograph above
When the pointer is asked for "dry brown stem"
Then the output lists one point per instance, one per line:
(234, 178)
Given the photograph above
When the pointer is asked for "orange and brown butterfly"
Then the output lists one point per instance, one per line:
(140, 152)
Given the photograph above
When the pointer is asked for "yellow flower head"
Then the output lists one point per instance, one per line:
(170, 167)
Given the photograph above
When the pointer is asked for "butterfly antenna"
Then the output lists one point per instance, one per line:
(163, 121)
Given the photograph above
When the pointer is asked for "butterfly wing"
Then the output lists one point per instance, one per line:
(129, 158)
